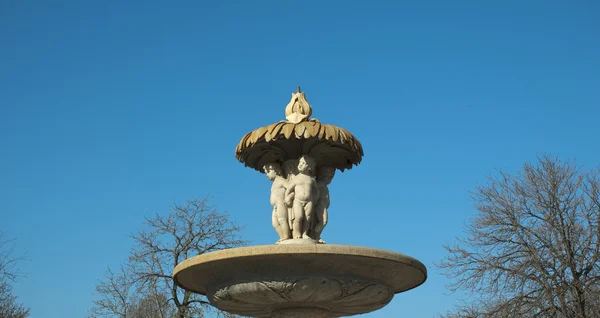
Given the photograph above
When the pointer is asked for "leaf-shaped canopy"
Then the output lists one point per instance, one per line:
(329, 145)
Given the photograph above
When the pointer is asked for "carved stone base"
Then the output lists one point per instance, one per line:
(342, 296)
(306, 280)
(301, 313)
(298, 241)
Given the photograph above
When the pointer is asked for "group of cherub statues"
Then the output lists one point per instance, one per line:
(300, 198)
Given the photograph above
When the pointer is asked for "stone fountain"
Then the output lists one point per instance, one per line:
(300, 275)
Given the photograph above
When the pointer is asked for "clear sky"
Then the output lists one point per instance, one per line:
(112, 110)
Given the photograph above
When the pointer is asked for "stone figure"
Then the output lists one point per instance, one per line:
(306, 192)
(284, 142)
(280, 210)
(324, 177)
(290, 168)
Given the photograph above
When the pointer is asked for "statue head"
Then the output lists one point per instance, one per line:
(325, 174)
(272, 170)
(306, 165)
(290, 168)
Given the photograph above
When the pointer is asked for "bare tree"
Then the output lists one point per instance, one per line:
(9, 306)
(190, 229)
(533, 248)
(153, 306)
(117, 292)
(121, 297)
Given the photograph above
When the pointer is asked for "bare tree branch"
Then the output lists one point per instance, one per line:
(9, 272)
(117, 292)
(532, 250)
(189, 229)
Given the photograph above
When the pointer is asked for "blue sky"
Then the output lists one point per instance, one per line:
(112, 110)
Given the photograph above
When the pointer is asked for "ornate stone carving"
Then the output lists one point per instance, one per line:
(338, 296)
(331, 145)
(301, 146)
(280, 210)
(324, 177)
(298, 109)
(300, 156)
(301, 200)
(302, 193)
(301, 312)
(299, 135)
(290, 168)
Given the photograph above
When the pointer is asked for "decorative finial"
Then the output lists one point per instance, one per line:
(298, 109)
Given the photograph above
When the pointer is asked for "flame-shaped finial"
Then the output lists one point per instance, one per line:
(298, 109)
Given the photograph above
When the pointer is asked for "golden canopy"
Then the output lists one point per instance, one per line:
(299, 135)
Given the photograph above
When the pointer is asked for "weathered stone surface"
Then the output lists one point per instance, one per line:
(280, 215)
(340, 296)
(301, 313)
(300, 135)
(301, 195)
(300, 199)
(298, 241)
(298, 108)
(259, 280)
(321, 211)
(302, 151)
(299, 277)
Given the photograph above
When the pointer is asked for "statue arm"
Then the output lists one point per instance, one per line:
(289, 192)
(289, 186)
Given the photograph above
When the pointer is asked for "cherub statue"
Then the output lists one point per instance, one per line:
(324, 177)
(290, 168)
(280, 211)
(305, 192)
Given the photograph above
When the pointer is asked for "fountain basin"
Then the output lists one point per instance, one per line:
(278, 280)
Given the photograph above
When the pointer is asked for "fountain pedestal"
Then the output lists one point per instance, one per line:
(300, 276)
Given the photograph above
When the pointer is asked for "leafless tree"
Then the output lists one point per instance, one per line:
(533, 248)
(117, 292)
(152, 306)
(120, 298)
(190, 229)
(9, 306)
